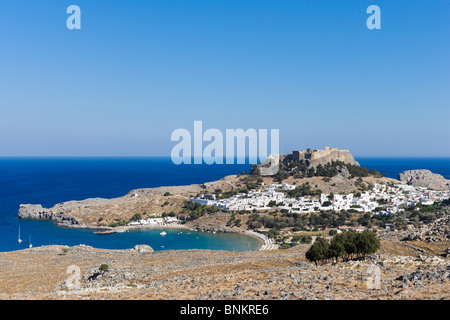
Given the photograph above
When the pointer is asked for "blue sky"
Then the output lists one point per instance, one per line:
(137, 70)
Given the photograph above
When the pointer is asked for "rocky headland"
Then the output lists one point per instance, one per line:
(424, 178)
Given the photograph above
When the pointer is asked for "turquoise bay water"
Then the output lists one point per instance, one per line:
(45, 232)
(48, 181)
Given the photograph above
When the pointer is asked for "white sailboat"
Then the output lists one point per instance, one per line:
(30, 245)
(19, 240)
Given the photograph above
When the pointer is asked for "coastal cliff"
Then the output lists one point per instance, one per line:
(36, 211)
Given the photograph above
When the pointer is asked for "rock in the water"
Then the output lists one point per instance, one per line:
(142, 248)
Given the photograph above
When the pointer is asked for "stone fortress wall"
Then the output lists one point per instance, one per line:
(316, 157)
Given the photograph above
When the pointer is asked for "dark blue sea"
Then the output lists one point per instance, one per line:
(394, 166)
(48, 181)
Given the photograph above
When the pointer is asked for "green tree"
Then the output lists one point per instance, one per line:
(332, 232)
(366, 243)
(349, 244)
(319, 251)
(337, 246)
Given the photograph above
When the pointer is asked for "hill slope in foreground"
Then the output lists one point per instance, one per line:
(405, 270)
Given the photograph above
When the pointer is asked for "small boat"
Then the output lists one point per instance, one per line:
(163, 233)
(19, 240)
(30, 245)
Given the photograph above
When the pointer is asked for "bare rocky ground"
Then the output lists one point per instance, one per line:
(400, 270)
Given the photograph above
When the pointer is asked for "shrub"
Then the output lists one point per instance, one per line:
(136, 217)
(302, 238)
(326, 203)
(104, 267)
(284, 246)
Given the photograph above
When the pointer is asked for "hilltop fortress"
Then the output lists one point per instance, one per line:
(316, 157)
(312, 158)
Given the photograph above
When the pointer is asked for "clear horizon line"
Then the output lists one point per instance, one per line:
(168, 156)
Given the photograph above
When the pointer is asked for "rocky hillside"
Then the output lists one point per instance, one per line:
(424, 178)
(438, 230)
(100, 213)
(152, 202)
(397, 271)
